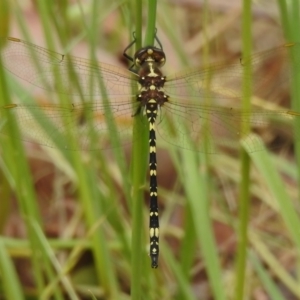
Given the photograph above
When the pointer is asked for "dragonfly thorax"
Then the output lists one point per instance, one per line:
(151, 82)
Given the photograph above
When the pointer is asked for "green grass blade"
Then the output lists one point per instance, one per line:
(139, 159)
(9, 280)
(275, 265)
(195, 184)
(265, 165)
(268, 282)
(244, 196)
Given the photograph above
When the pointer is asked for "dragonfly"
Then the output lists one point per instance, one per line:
(198, 109)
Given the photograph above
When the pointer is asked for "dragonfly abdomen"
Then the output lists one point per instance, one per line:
(151, 112)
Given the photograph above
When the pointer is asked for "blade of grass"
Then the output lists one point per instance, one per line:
(267, 281)
(48, 254)
(291, 21)
(182, 280)
(244, 197)
(196, 188)
(139, 159)
(263, 162)
(9, 279)
(275, 265)
(4, 183)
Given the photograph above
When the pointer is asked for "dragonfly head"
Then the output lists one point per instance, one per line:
(149, 54)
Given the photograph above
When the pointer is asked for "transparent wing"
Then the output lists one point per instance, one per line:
(85, 121)
(222, 83)
(90, 125)
(209, 128)
(64, 74)
(205, 104)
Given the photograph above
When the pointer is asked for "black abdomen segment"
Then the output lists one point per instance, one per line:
(151, 112)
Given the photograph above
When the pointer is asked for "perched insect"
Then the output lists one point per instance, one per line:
(200, 105)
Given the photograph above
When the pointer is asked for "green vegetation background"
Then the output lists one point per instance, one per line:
(257, 246)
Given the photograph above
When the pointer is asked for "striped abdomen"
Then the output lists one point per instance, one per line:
(151, 112)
